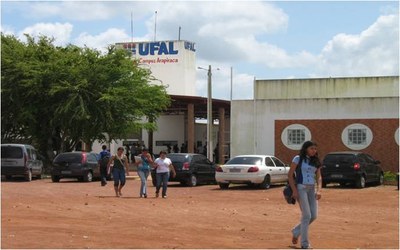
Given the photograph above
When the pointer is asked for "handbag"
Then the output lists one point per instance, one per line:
(287, 190)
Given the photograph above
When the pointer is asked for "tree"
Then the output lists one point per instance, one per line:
(55, 97)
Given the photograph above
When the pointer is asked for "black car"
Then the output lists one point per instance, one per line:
(191, 169)
(351, 167)
(81, 165)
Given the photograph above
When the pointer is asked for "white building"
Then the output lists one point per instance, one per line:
(352, 113)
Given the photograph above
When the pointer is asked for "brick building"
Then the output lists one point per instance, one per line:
(340, 114)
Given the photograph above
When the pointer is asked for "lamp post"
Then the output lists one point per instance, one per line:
(209, 114)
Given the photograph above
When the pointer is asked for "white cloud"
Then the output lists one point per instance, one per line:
(373, 52)
(7, 30)
(102, 40)
(221, 82)
(61, 32)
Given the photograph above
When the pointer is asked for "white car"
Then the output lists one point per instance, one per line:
(262, 170)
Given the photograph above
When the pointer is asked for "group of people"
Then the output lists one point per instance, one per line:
(304, 179)
(118, 165)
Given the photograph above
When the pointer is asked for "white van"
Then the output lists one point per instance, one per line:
(20, 160)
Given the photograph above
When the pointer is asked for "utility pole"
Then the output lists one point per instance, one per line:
(209, 116)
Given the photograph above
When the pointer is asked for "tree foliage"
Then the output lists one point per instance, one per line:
(55, 97)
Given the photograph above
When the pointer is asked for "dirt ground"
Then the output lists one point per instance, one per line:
(71, 214)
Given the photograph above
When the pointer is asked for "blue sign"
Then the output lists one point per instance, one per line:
(157, 48)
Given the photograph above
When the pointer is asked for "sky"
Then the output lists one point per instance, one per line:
(258, 39)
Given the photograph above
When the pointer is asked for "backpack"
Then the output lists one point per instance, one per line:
(104, 160)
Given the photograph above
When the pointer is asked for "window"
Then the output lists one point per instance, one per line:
(269, 162)
(245, 160)
(357, 136)
(278, 162)
(294, 135)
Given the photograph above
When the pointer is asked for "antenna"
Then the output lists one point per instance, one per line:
(179, 33)
(132, 26)
(155, 25)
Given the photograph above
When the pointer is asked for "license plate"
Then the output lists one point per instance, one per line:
(234, 170)
(337, 176)
(65, 172)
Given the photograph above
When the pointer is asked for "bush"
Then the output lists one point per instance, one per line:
(389, 176)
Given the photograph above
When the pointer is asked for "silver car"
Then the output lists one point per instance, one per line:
(20, 160)
(261, 170)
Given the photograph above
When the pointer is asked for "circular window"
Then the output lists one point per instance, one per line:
(396, 136)
(293, 136)
(357, 136)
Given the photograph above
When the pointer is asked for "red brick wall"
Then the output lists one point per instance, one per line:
(328, 135)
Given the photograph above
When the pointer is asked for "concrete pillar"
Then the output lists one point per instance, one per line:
(190, 128)
(221, 137)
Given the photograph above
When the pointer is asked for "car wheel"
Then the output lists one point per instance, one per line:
(360, 183)
(223, 185)
(192, 181)
(342, 184)
(324, 184)
(55, 178)
(183, 183)
(28, 176)
(88, 177)
(266, 183)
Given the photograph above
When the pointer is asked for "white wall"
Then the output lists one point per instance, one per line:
(176, 71)
(170, 128)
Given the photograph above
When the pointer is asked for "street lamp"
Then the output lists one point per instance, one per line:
(209, 114)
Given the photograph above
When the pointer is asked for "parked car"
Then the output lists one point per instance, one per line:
(261, 170)
(351, 167)
(191, 169)
(20, 160)
(81, 165)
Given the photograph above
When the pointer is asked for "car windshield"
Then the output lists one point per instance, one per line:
(245, 160)
(339, 158)
(68, 157)
(11, 152)
(178, 158)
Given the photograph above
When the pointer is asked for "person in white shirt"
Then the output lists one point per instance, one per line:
(163, 167)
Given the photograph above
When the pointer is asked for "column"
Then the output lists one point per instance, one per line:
(221, 136)
(190, 126)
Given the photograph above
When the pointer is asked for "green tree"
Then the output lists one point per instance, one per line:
(55, 97)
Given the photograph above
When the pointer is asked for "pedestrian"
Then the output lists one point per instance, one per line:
(176, 148)
(163, 167)
(119, 170)
(143, 170)
(103, 162)
(127, 152)
(307, 169)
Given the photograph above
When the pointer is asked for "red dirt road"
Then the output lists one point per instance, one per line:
(71, 214)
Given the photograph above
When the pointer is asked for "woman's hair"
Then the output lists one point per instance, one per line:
(314, 160)
(121, 148)
(163, 152)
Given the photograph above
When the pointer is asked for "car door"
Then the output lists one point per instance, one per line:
(373, 167)
(36, 166)
(272, 170)
(283, 170)
(200, 163)
(93, 164)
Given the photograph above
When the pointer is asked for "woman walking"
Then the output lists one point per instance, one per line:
(119, 170)
(164, 166)
(144, 170)
(306, 165)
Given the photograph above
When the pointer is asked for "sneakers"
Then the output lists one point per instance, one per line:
(157, 194)
(164, 196)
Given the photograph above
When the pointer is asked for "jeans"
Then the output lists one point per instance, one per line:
(103, 174)
(143, 174)
(309, 211)
(162, 178)
(119, 177)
